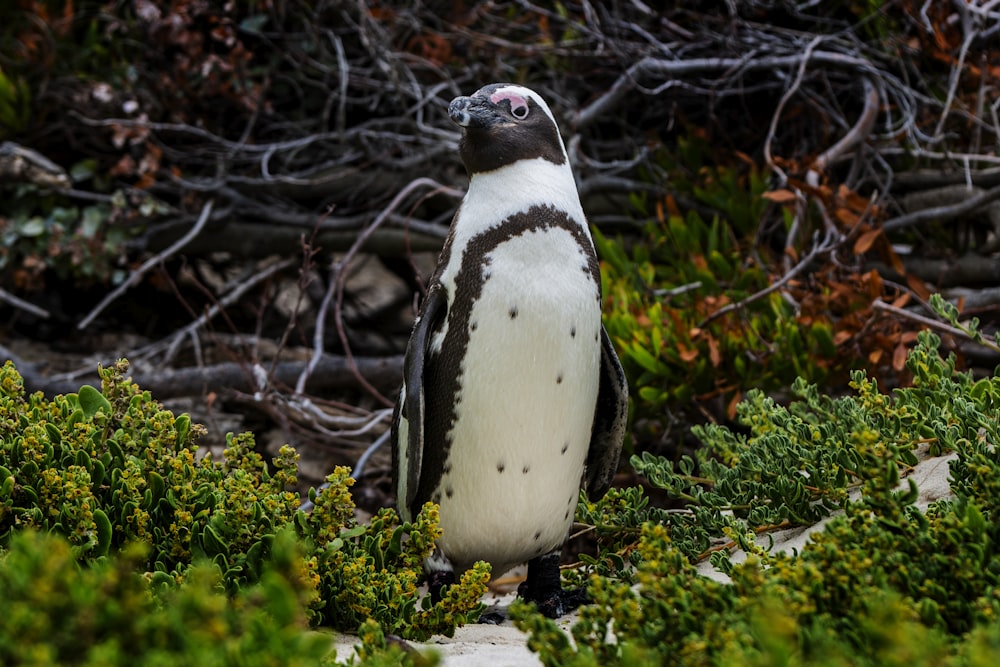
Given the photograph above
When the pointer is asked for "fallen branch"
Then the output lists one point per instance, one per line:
(943, 213)
(26, 306)
(676, 68)
(335, 290)
(135, 276)
(333, 373)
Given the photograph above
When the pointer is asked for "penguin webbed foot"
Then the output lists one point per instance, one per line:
(554, 603)
(437, 581)
(543, 587)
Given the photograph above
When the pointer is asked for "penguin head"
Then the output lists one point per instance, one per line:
(503, 123)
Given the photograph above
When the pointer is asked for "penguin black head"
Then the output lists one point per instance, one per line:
(503, 123)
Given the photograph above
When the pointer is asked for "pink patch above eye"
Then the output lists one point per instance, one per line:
(516, 101)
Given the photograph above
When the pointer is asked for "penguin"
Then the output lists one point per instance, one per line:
(513, 396)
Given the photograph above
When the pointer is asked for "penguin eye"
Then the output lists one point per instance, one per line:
(519, 111)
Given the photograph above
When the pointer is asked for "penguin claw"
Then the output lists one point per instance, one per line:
(555, 603)
(491, 618)
(436, 583)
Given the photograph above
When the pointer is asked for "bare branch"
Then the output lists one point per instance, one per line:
(26, 306)
(136, 276)
(943, 213)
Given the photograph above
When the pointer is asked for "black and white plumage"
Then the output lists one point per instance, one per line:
(512, 394)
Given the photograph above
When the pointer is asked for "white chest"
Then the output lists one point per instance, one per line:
(524, 413)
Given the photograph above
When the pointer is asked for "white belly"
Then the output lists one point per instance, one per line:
(530, 380)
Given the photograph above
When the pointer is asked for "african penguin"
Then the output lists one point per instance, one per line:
(513, 396)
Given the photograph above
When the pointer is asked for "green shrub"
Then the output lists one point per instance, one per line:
(110, 468)
(662, 293)
(881, 584)
(58, 613)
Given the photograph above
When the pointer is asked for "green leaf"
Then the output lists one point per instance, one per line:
(92, 401)
(104, 532)
(183, 426)
(212, 543)
(83, 170)
(34, 226)
(91, 222)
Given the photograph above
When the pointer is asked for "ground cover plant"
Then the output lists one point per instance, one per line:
(121, 481)
(883, 583)
(109, 518)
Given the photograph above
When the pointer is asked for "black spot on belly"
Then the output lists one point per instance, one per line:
(501, 467)
(443, 371)
(566, 515)
(525, 469)
(538, 535)
(436, 498)
(449, 492)
(559, 379)
(565, 447)
(572, 332)
(513, 312)
(473, 326)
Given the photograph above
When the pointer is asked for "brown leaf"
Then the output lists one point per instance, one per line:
(846, 216)
(733, 402)
(780, 196)
(918, 286)
(865, 241)
(713, 352)
(687, 355)
(901, 300)
(899, 357)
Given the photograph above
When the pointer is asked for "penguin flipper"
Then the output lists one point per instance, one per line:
(610, 420)
(408, 420)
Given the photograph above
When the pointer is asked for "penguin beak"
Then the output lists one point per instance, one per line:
(473, 112)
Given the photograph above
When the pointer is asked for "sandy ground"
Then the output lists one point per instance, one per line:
(503, 645)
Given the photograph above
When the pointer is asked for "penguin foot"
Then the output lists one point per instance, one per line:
(557, 602)
(543, 587)
(491, 618)
(437, 581)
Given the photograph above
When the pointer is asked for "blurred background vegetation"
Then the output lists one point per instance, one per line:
(244, 199)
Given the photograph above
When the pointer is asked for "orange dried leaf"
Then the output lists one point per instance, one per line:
(780, 196)
(672, 207)
(733, 402)
(899, 357)
(918, 286)
(901, 300)
(841, 337)
(865, 241)
(874, 356)
(846, 216)
(893, 259)
(713, 352)
(688, 355)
